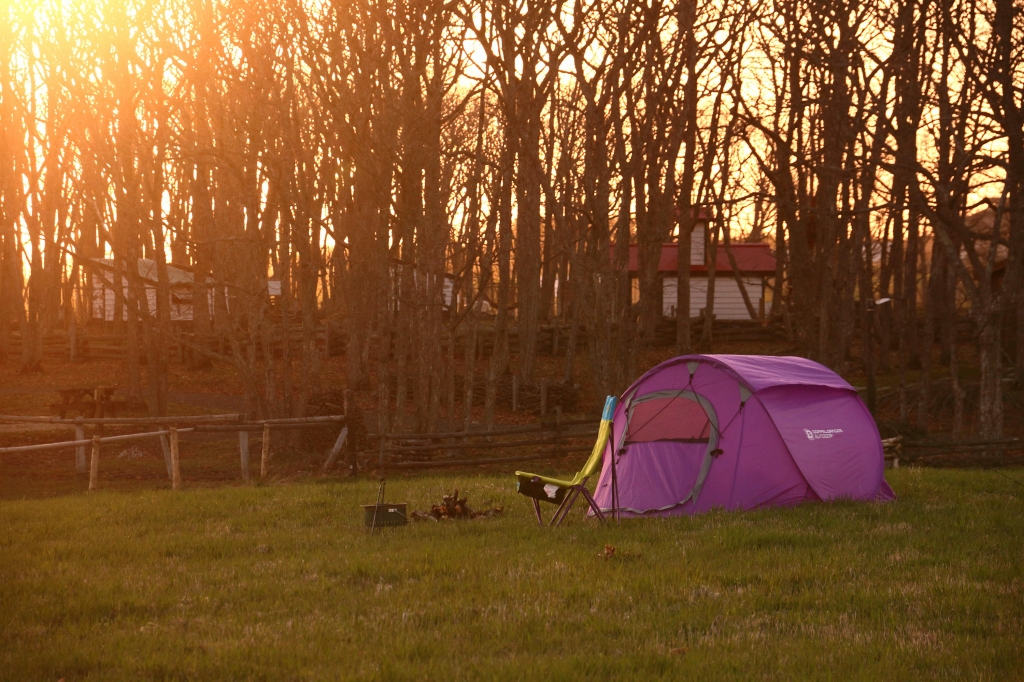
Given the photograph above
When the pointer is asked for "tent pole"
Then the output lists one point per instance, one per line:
(615, 478)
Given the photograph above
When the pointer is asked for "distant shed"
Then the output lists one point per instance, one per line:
(756, 264)
(103, 295)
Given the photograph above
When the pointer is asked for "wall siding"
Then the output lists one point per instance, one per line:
(103, 300)
(728, 299)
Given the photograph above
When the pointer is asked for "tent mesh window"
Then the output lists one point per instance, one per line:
(675, 418)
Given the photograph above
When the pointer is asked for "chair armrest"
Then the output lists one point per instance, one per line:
(563, 483)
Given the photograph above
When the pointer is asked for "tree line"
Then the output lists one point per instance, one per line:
(417, 172)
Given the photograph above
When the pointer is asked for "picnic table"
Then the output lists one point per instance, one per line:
(98, 401)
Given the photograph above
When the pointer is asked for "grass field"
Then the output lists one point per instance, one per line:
(282, 582)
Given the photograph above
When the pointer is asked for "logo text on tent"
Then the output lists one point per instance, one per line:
(818, 434)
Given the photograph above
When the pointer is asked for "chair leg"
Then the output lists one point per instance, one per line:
(561, 507)
(570, 499)
(593, 505)
(536, 510)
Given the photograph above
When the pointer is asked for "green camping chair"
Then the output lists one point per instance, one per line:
(562, 492)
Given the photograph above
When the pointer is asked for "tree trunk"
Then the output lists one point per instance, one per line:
(498, 364)
(990, 401)
(687, 21)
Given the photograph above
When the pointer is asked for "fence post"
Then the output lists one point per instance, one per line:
(543, 397)
(94, 465)
(79, 450)
(265, 459)
(165, 448)
(349, 406)
(336, 450)
(243, 451)
(175, 465)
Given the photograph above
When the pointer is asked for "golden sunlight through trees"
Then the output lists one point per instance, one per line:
(211, 180)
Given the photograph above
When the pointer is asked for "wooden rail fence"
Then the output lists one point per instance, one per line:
(394, 450)
(403, 450)
(970, 452)
(168, 430)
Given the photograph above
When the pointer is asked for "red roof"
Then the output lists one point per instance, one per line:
(755, 259)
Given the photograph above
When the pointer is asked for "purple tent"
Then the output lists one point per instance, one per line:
(739, 432)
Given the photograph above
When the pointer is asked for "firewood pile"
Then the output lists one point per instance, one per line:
(454, 507)
(566, 396)
(750, 331)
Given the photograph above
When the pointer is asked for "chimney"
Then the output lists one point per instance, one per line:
(699, 238)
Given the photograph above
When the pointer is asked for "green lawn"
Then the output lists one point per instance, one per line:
(282, 582)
